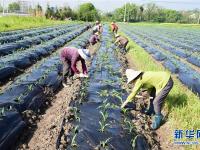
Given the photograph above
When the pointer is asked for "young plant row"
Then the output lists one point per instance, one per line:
(29, 33)
(9, 48)
(29, 92)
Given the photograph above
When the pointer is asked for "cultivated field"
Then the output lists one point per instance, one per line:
(36, 112)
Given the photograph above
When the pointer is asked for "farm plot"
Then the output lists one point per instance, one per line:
(95, 118)
(29, 93)
(181, 58)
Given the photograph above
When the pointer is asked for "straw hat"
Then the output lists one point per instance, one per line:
(132, 74)
(85, 54)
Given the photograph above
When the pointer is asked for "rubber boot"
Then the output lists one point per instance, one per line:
(157, 119)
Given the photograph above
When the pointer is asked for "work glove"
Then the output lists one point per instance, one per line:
(157, 119)
(81, 75)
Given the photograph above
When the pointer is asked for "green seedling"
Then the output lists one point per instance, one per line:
(104, 116)
(124, 110)
(103, 93)
(75, 132)
(104, 144)
(113, 106)
(75, 111)
(2, 112)
(103, 126)
(129, 125)
(73, 143)
(19, 99)
(104, 106)
(133, 142)
(30, 87)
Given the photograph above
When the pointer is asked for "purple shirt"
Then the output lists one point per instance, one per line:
(94, 39)
(71, 55)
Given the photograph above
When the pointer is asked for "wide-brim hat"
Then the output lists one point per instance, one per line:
(84, 53)
(132, 74)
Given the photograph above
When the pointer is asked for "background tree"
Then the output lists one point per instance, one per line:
(150, 11)
(87, 12)
(13, 7)
(49, 12)
(67, 12)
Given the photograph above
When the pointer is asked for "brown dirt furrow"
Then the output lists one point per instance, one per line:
(47, 130)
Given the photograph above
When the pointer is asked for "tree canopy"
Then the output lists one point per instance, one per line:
(13, 7)
(87, 12)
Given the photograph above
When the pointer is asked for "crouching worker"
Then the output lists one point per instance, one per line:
(158, 84)
(114, 27)
(70, 56)
(94, 38)
(121, 42)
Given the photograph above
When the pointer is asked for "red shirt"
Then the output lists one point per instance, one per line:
(114, 27)
(71, 55)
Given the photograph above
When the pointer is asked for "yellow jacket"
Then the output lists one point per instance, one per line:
(149, 80)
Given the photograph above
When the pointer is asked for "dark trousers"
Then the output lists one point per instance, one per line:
(123, 47)
(67, 72)
(157, 101)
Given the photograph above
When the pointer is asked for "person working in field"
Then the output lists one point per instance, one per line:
(114, 27)
(121, 42)
(158, 84)
(94, 38)
(96, 28)
(100, 28)
(70, 56)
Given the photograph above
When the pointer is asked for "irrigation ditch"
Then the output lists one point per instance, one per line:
(95, 120)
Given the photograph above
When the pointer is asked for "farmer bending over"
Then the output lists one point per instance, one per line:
(121, 42)
(158, 84)
(96, 28)
(70, 56)
(94, 38)
(114, 27)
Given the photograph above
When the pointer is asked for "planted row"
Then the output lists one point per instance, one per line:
(26, 43)
(15, 32)
(17, 37)
(186, 74)
(29, 92)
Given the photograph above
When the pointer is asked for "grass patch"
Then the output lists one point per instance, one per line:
(8, 23)
(182, 105)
